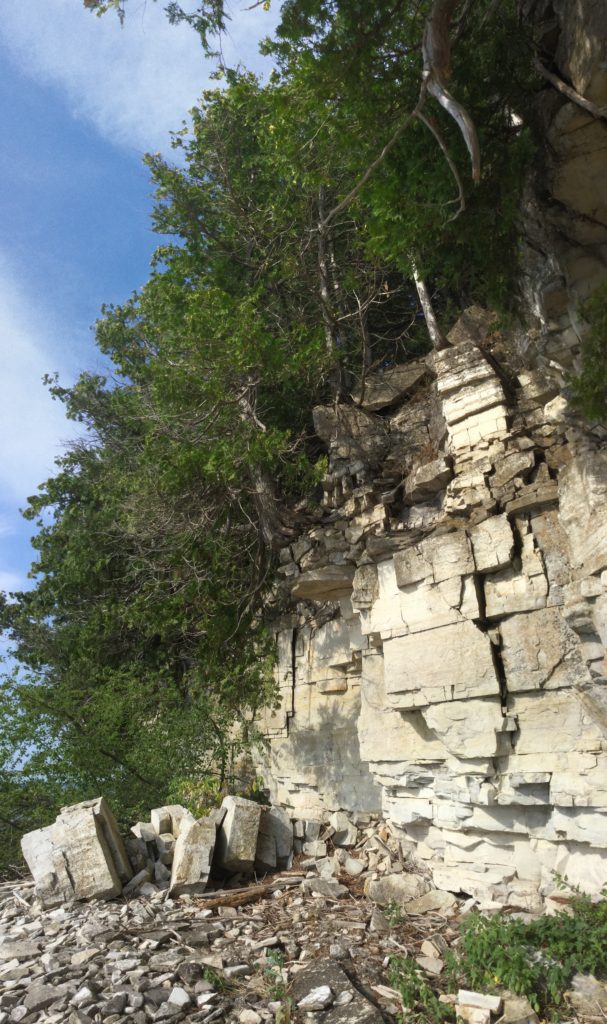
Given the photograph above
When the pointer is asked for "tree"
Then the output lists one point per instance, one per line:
(288, 273)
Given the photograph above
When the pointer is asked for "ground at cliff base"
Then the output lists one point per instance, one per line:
(288, 954)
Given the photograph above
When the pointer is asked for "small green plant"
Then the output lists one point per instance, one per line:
(419, 999)
(213, 978)
(536, 959)
(393, 913)
(273, 974)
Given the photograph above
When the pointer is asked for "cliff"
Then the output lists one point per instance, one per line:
(442, 629)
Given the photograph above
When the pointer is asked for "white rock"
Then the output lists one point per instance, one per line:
(160, 820)
(192, 857)
(480, 1000)
(81, 856)
(317, 999)
(237, 837)
(249, 1017)
(179, 997)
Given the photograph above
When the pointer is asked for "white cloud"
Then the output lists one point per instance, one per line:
(33, 427)
(134, 83)
(11, 582)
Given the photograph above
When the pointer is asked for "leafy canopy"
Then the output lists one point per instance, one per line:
(140, 646)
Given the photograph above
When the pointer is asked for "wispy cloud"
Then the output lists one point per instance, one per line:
(135, 83)
(33, 428)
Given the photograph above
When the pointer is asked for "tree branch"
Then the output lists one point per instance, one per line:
(452, 167)
(436, 49)
(569, 91)
(437, 337)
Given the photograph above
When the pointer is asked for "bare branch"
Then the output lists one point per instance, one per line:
(436, 49)
(569, 91)
(454, 171)
(437, 337)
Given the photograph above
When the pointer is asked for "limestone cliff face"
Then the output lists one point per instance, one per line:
(442, 658)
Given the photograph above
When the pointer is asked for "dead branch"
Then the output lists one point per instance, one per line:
(569, 91)
(436, 50)
(437, 337)
(371, 169)
(461, 199)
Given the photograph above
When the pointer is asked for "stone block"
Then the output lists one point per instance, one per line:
(346, 832)
(237, 837)
(160, 820)
(508, 591)
(470, 728)
(461, 650)
(365, 587)
(165, 845)
(400, 888)
(540, 651)
(81, 856)
(192, 857)
(325, 584)
(386, 387)
(427, 480)
(492, 544)
(449, 554)
(275, 840)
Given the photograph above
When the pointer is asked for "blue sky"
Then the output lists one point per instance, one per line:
(81, 101)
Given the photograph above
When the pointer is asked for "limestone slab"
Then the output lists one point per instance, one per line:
(192, 857)
(540, 651)
(237, 837)
(439, 665)
(492, 544)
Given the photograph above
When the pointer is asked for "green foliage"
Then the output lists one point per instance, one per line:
(536, 959)
(419, 998)
(274, 975)
(394, 913)
(590, 386)
(140, 646)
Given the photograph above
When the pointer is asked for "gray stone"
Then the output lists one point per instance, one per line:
(192, 858)
(39, 996)
(435, 901)
(324, 887)
(324, 584)
(399, 888)
(517, 1010)
(116, 1004)
(346, 833)
(588, 995)
(237, 837)
(386, 387)
(275, 840)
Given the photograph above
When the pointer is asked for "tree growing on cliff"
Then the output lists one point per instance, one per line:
(141, 643)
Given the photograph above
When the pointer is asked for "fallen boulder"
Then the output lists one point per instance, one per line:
(192, 857)
(80, 856)
(237, 835)
(275, 840)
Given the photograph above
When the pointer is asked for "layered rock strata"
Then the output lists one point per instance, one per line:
(442, 660)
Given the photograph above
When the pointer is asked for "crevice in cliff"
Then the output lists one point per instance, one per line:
(482, 623)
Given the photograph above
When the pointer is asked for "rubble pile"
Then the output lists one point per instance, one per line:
(157, 958)
(82, 854)
(294, 950)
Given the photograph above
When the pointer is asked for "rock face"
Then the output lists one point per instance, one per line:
(456, 680)
(443, 659)
(566, 208)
